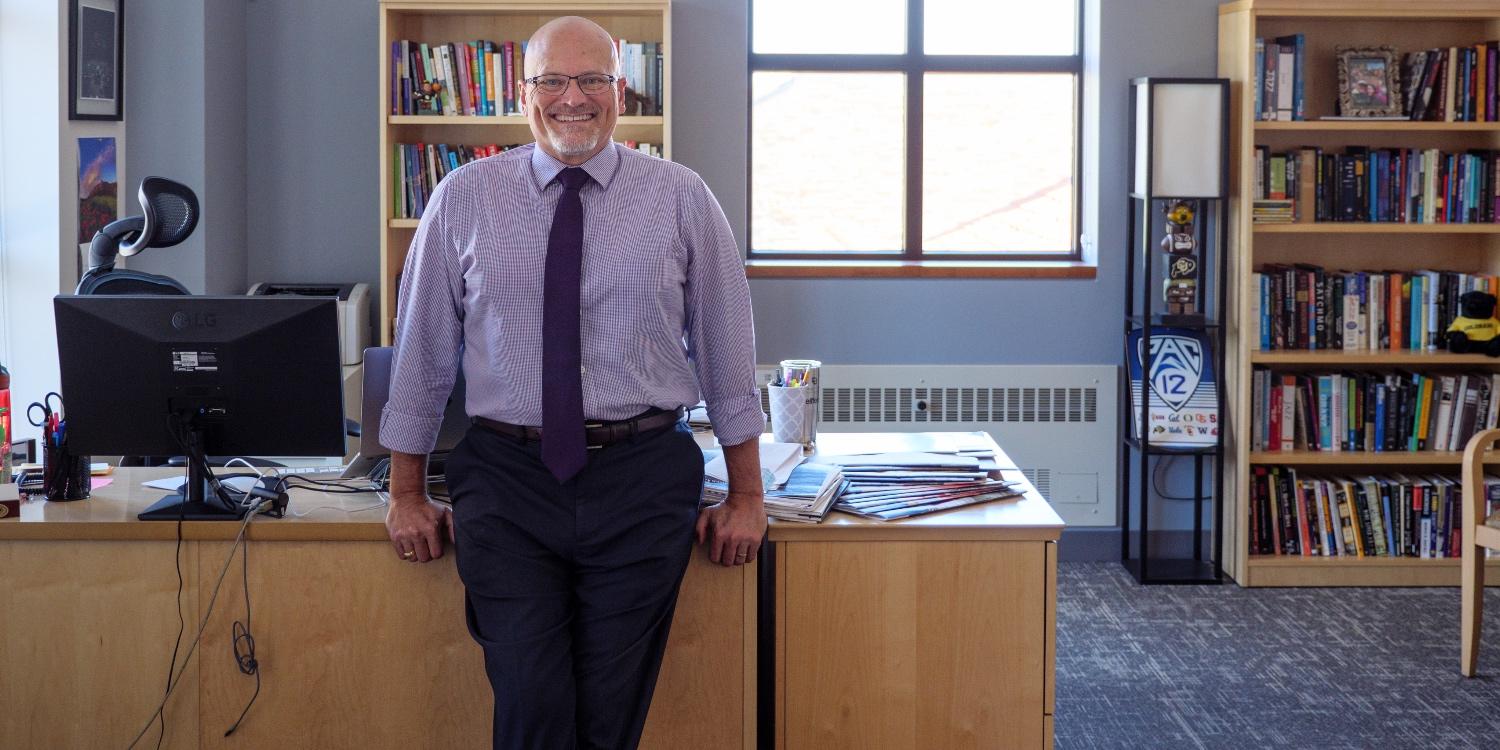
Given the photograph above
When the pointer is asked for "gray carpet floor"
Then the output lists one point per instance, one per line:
(1228, 667)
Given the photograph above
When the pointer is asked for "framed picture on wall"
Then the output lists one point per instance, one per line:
(96, 60)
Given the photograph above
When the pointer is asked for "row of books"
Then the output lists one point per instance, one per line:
(1363, 516)
(1451, 84)
(463, 78)
(1402, 185)
(482, 77)
(1279, 78)
(1370, 412)
(1304, 306)
(643, 65)
(418, 167)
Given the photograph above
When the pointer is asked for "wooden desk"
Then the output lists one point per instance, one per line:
(357, 648)
(932, 632)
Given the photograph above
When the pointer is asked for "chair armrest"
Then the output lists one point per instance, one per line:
(1473, 481)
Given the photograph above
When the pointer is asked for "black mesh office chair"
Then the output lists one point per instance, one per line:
(171, 214)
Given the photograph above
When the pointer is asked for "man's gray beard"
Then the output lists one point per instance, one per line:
(561, 146)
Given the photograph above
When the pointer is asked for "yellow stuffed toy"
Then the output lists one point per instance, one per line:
(1475, 329)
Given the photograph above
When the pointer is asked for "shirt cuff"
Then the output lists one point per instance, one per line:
(737, 420)
(408, 434)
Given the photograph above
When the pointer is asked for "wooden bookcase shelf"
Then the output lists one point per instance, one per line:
(1384, 227)
(1366, 358)
(444, 21)
(516, 121)
(1290, 570)
(1390, 126)
(1356, 458)
(1471, 248)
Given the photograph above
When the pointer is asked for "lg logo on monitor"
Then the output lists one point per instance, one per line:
(183, 320)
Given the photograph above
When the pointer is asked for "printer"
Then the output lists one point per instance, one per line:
(354, 312)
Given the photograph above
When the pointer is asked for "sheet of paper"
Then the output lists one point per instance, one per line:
(902, 442)
(776, 462)
(905, 459)
(240, 482)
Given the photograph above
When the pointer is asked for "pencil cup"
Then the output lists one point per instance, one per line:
(792, 411)
(65, 476)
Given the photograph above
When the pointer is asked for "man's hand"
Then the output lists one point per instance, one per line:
(416, 525)
(733, 528)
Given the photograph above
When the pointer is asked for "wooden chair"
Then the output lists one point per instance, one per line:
(1477, 536)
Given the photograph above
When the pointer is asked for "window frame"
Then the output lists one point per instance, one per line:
(914, 64)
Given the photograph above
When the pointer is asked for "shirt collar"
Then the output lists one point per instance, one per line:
(600, 166)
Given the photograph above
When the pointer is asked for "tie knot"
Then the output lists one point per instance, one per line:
(572, 178)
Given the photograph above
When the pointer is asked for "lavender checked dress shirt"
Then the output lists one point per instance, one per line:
(666, 308)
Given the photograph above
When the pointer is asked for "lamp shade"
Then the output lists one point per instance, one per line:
(1179, 137)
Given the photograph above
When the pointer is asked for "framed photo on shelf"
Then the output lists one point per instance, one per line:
(96, 60)
(1369, 82)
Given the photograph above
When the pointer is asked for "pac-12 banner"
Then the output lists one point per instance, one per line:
(1183, 411)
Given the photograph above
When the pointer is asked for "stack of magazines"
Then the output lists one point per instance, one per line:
(794, 490)
(898, 485)
(805, 497)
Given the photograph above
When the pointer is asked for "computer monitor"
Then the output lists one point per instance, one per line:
(377, 388)
(235, 376)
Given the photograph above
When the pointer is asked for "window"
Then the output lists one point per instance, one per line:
(914, 129)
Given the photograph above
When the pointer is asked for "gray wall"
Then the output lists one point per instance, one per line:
(164, 106)
(313, 174)
(310, 132)
(185, 101)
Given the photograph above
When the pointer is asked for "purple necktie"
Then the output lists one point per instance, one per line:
(563, 447)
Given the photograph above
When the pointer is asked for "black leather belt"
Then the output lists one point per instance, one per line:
(595, 434)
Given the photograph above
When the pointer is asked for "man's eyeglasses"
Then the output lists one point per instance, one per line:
(588, 83)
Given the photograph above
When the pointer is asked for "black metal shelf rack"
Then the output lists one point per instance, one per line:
(1143, 280)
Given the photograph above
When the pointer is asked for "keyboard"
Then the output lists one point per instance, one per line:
(330, 471)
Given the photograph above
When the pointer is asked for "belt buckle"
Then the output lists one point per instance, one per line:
(586, 427)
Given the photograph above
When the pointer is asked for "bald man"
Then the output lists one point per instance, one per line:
(590, 293)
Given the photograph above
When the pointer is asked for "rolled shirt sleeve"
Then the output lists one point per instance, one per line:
(720, 325)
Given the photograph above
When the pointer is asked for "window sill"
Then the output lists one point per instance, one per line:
(929, 269)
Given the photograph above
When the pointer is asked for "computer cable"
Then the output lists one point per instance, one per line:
(242, 638)
(1156, 482)
(335, 483)
(181, 626)
(181, 622)
(176, 427)
(202, 626)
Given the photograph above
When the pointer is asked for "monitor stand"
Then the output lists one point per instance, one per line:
(196, 499)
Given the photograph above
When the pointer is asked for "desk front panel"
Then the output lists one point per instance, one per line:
(912, 644)
(357, 649)
(86, 632)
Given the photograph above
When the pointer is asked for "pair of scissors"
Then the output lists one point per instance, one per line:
(50, 416)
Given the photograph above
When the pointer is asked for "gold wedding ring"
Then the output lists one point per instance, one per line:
(407, 555)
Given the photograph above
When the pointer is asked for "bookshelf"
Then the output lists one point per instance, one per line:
(453, 21)
(1468, 248)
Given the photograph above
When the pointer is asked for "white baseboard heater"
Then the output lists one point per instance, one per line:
(1058, 423)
